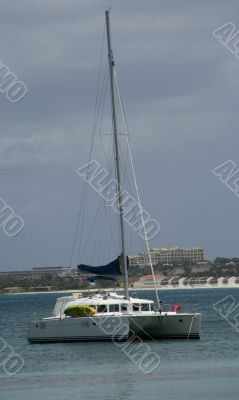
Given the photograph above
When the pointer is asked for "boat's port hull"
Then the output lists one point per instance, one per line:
(175, 326)
(78, 329)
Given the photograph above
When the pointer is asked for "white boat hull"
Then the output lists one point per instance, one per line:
(76, 329)
(99, 328)
(167, 326)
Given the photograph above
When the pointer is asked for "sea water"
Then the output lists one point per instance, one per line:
(195, 369)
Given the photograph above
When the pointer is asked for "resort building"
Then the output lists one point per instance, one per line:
(146, 281)
(168, 254)
(39, 272)
(164, 282)
(56, 271)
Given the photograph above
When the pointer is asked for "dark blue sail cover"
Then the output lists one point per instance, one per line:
(94, 278)
(110, 271)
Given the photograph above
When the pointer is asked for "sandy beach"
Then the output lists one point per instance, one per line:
(121, 290)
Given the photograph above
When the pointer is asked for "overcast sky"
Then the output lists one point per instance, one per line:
(181, 92)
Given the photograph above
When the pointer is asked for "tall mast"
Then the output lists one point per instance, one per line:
(116, 146)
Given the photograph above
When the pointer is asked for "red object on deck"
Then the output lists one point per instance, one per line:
(176, 307)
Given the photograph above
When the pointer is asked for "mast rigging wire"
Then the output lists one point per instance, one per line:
(96, 115)
(136, 186)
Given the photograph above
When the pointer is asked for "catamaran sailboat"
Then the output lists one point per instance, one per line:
(109, 315)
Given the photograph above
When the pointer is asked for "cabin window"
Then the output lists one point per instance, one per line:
(123, 307)
(114, 308)
(102, 308)
(144, 307)
(136, 307)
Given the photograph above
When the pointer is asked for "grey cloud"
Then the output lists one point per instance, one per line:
(180, 89)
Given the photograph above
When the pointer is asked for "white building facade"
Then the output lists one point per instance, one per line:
(169, 254)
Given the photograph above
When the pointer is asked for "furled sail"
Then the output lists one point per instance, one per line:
(94, 278)
(109, 271)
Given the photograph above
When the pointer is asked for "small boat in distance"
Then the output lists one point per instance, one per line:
(108, 315)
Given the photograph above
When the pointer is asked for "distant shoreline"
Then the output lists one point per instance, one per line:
(120, 290)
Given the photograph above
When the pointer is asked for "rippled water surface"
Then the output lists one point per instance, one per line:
(204, 369)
